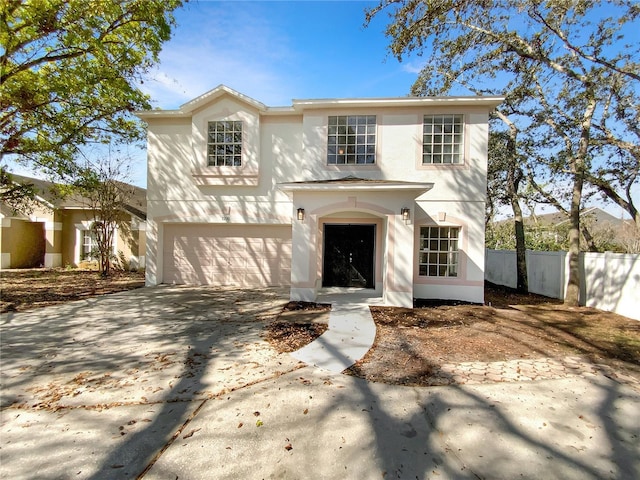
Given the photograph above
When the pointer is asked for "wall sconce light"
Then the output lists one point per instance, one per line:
(301, 214)
(405, 213)
(442, 216)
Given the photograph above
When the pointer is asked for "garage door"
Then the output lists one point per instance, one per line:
(243, 255)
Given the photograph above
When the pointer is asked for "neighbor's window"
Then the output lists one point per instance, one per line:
(439, 251)
(351, 140)
(89, 245)
(224, 144)
(442, 140)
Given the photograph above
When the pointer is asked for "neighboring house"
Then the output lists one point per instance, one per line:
(382, 193)
(57, 231)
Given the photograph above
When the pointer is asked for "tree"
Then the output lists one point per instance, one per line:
(505, 177)
(565, 66)
(69, 74)
(102, 186)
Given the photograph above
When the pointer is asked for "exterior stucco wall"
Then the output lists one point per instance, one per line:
(23, 243)
(399, 152)
(174, 193)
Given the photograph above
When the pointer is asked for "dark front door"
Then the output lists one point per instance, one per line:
(348, 256)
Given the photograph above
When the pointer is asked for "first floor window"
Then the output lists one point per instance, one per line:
(439, 251)
(89, 245)
(224, 144)
(351, 140)
(442, 140)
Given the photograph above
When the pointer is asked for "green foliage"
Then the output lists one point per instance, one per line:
(69, 71)
(552, 238)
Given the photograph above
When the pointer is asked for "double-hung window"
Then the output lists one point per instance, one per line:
(351, 140)
(224, 144)
(442, 139)
(439, 251)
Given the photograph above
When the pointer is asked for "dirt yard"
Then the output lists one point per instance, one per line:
(411, 344)
(37, 287)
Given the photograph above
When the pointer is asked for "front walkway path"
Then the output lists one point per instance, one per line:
(350, 334)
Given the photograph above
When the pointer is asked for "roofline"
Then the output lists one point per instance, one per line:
(299, 105)
(489, 101)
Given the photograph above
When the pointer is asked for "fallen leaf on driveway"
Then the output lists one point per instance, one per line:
(190, 434)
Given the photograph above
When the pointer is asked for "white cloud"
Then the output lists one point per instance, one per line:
(414, 67)
(255, 58)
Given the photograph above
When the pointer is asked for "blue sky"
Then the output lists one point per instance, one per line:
(275, 51)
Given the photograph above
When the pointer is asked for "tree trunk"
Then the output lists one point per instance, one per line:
(514, 177)
(522, 284)
(572, 295)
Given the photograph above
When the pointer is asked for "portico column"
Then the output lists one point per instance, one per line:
(303, 257)
(398, 290)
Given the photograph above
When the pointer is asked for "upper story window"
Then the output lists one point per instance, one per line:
(442, 139)
(224, 144)
(439, 251)
(351, 140)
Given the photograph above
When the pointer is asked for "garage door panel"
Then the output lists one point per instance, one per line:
(244, 255)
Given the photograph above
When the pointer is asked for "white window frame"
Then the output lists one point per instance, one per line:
(351, 139)
(81, 228)
(224, 143)
(93, 245)
(439, 252)
(443, 139)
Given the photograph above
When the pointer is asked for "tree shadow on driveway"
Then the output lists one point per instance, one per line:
(143, 360)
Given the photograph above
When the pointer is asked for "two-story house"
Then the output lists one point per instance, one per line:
(381, 193)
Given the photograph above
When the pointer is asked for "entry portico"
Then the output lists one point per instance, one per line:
(384, 205)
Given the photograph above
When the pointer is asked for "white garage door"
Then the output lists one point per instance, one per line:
(244, 255)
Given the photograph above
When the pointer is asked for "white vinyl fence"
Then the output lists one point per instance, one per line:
(610, 281)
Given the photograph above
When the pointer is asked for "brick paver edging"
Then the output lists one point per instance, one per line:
(523, 370)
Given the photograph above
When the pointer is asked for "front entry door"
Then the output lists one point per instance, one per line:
(348, 256)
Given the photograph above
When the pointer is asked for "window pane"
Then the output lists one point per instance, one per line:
(225, 145)
(442, 134)
(441, 256)
(353, 136)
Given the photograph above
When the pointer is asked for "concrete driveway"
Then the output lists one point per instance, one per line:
(177, 383)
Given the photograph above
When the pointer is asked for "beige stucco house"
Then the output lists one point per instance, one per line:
(56, 231)
(380, 193)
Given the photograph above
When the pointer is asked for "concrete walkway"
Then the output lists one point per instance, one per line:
(350, 334)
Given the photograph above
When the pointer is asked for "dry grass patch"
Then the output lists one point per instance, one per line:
(37, 287)
(298, 325)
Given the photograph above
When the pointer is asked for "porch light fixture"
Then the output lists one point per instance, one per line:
(405, 213)
(301, 214)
